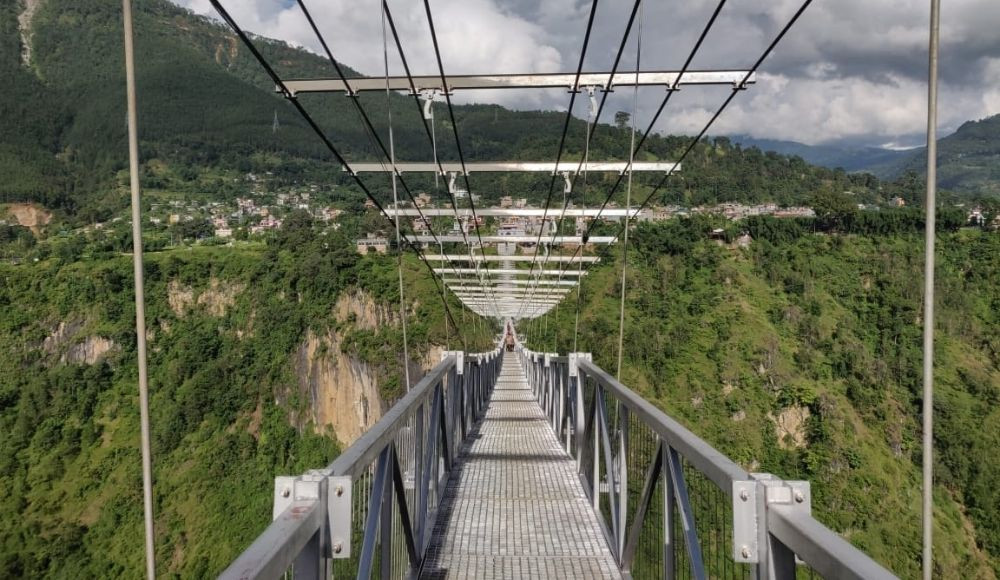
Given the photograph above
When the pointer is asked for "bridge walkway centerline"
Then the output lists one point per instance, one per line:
(515, 506)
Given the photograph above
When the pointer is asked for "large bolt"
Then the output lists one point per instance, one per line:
(799, 498)
(745, 551)
(744, 495)
(286, 492)
(338, 548)
(340, 490)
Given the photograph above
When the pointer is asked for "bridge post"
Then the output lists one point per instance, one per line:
(576, 401)
(753, 542)
(311, 562)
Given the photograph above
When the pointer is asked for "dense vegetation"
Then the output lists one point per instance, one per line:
(827, 326)
(226, 405)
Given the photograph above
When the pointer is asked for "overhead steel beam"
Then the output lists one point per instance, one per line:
(509, 300)
(473, 302)
(546, 239)
(515, 304)
(518, 81)
(549, 167)
(461, 290)
(511, 212)
(496, 258)
(502, 283)
(511, 272)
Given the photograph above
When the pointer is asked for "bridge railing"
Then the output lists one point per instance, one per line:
(670, 504)
(370, 513)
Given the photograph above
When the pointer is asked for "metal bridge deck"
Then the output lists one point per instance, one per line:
(515, 507)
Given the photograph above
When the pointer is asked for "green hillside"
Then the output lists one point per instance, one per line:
(227, 329)
(821, 332)
(968, 159)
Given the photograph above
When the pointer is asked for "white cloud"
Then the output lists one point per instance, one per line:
(474, 35)
(851, 69)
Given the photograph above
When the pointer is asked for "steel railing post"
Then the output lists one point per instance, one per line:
(385, 518)
(669, 541)
(418, 476)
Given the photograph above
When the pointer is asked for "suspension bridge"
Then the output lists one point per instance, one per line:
(516, 463)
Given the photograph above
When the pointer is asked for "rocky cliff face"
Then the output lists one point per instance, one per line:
(70, 343)
(343, 391)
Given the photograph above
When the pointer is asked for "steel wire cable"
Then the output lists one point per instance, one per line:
(367, 124)
(458, 142)
(569, 116)
(591, 127)
(327, 142)
(736, 89)
(592, 121)
(694, 142)
(432, 135)
(628, 201)
(666, 99)
(395, 203)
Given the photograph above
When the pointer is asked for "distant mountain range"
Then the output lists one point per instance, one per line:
(878, 160)
(968, 159)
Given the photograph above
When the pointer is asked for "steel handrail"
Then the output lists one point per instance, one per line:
(716, 466)
(772, 521)
(313, 513)
(363, 451)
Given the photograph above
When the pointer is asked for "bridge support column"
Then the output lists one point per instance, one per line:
(312, 562)
(754, 501)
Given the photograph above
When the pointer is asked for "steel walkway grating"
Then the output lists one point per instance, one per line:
(515, 508)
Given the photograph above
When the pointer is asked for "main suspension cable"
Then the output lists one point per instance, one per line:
(367, 124)
(562, 140)
(591, 128)
(691, 145)
(245, 39)
(458, 142)
(736, 89)
(431, 132)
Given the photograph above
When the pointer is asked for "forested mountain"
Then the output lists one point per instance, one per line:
(801, 356)
(206, 105)
(968, 159)
(263, 361)
(875, 160)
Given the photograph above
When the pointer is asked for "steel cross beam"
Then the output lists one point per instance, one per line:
(510, 300)
(568, 81)
(515, 292)
(511, 272)
(570, 167)
(513, 212)
(449, 239)
(503, 283)
(498, 258)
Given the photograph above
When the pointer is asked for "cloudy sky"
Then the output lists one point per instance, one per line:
(851, 70)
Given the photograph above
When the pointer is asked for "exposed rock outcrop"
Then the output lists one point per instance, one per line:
(790, 426)
(31, 216)
(24, 20)
(72, 348)
(344, 392)
(361, 309)
(215, 299)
